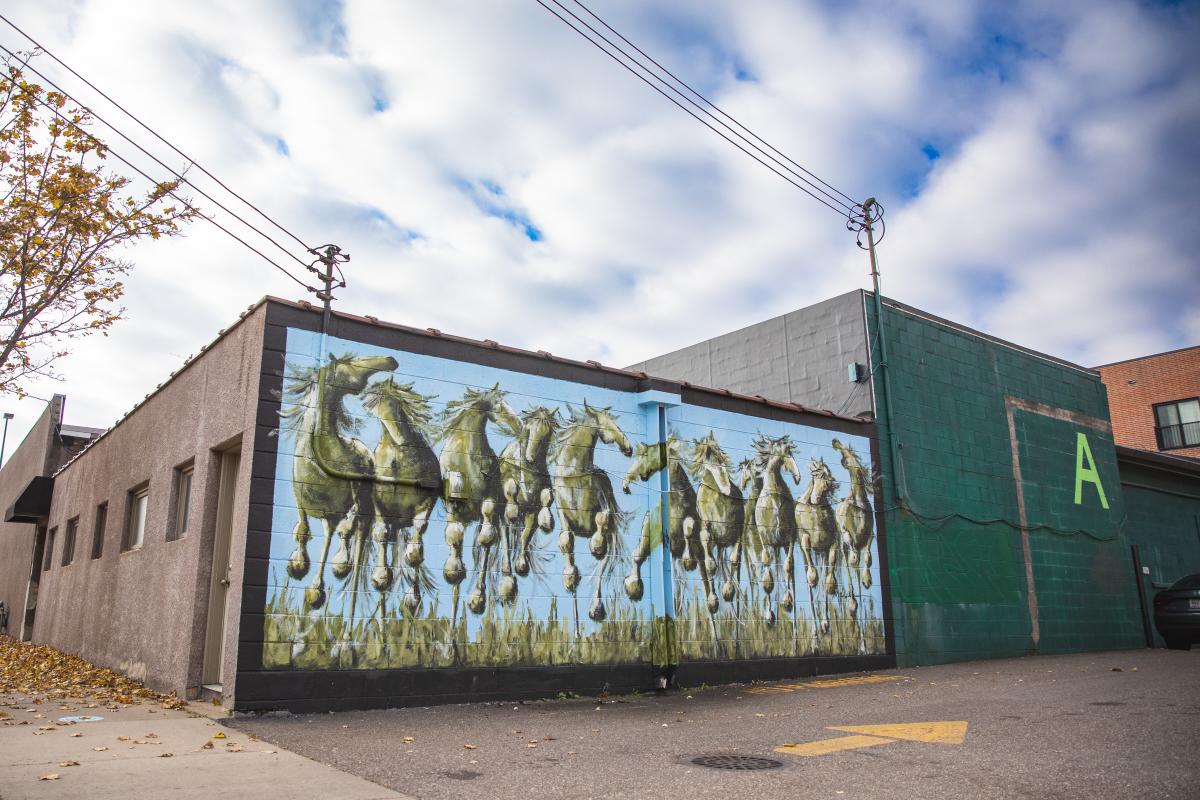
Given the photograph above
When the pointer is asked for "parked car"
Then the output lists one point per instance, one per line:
(1177, 613)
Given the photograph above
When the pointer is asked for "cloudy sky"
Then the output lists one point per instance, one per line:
(493, 175)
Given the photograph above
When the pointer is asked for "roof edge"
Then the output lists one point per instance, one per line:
(488, 344)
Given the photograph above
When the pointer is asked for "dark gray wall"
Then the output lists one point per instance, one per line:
(800, 357)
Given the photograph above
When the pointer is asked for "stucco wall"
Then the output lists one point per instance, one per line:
(143, 611)
(31, 458)
(800, 357)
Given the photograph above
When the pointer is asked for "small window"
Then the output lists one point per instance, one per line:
(1177, 424)
(98, 533)
(135, 521)
(48, 556)
(68, 554)
(181, 505)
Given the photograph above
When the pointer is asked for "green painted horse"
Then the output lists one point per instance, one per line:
(407, 482)
(525, 477)
(858, 528)
(819, 540)
(584, 496)
(331, 470)
(722, 518)
(649, 460)
(473, 487)
(775, 517)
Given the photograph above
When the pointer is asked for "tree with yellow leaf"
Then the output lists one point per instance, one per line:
(63, 218)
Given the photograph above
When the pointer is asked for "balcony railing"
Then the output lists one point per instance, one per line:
(1172, 437)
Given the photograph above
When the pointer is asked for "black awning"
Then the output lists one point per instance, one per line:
(33, 503)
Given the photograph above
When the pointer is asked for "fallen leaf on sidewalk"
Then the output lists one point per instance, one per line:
(165, 755)
(407, 740)
(218, 735)
(100, 748)
(206, 746)
(68, 763)
(52, 776)
(469, 746)
(122, 738)
(76, 735)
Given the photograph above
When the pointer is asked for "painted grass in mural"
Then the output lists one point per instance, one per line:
(511, 474)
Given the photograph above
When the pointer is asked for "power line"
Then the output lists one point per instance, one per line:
(841, 209)
(155, 133)
(713, 105)
(185, 203)
(157, 160)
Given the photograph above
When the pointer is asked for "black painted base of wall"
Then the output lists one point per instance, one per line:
(313, 691)
(694, 673)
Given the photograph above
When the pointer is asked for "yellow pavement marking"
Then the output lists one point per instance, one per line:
(825, 746)
(827, 683)
(936, 732)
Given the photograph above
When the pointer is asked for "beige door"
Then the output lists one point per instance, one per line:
(214, 637)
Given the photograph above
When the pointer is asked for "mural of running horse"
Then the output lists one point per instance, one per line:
(584, 495)
(775, 519)
(473, 489)
(858, 530)
(682, 539)
(331, 469)
(525, 478)
(722, 519)
(407, 482)
(819, 542)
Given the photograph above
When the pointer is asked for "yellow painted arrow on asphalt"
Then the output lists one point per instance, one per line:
(950, 732)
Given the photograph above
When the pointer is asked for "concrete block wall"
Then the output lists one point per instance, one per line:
(971, 414)
(1135, 386)
(800, 357)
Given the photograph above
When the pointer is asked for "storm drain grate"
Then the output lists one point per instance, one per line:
(736, 762)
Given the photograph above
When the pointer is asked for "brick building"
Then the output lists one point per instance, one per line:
(1154, 401)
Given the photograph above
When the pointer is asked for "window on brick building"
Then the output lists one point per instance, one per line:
(1177, 424)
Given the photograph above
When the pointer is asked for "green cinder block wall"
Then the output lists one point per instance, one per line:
(956, 555)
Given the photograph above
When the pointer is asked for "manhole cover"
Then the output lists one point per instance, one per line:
(736, 762)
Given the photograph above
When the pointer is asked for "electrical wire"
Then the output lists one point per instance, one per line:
(156, 159)
(153, 132)
(185, 203)
(801, 186)
(939, 520)
(715, 107)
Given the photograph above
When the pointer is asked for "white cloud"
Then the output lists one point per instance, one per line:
(425, 137)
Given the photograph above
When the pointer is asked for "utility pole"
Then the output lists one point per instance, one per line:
(865, 218)
(329, 256)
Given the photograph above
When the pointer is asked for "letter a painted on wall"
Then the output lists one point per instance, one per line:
(1088, 473)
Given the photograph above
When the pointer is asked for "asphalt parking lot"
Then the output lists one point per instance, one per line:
(1112, 725)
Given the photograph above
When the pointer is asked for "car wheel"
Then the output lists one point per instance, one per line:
(1179, 644)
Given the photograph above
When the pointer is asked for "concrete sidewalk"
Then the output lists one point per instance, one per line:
(144, 751)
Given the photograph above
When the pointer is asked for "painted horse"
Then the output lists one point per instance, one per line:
(682, 539)
(408, 481)
(722, 518)
(331, 470)
(819, 539)
(473, 490)
(584, 495)
(775, 517)
(858, 528)
(525, 479)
